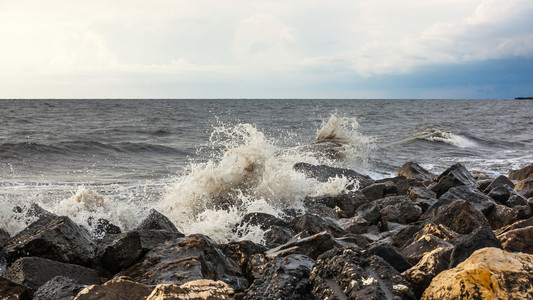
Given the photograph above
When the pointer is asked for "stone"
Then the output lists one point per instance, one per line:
(185, 259)
(156, 220)
(480, 238)
(516, 225)
(256, 266)
(102, 227)
(31, 213)
(4, 237)
(343, 202)
(311, 246)
(35, 271)
(349, 273)
(277, 235)
(355, 225)
(374, 191)
(390, 255)
(415, 171)
(525, 187)
(323, 173)
(404, 185)
(240, 252)
(370, 212)
(437, 230)
(459, 215)
(431, 264)
(479, 175)
(489, 273)
(52, 237)
(499, 181)
(500, 193)
(405, 235)
(202, 289)
(522, 173)
(399, 209)
(516, 199)
(520, 240)
(502, 215)
(315, 224)
(416, 193)
(480, 201)
(262, 220)
(455, 175)
(423, 245)
(283, 278)
(120, 288)
(10, 290)
(58, 288)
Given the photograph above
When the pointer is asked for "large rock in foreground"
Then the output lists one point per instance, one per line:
(490, 273)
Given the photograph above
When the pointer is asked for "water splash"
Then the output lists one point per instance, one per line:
(435, 135)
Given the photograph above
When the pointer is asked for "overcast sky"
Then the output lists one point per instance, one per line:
(266, 49)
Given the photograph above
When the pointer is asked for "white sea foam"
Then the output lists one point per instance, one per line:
(434, 134)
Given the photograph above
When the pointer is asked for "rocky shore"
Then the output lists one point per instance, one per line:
(457, 235)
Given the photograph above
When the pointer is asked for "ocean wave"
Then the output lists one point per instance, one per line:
(435, 135)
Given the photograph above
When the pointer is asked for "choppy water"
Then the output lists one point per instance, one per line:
(204, 163)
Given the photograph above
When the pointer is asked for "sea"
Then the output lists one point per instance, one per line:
(205, 163)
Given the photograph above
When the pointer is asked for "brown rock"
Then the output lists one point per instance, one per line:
(525, 187)
(419, 248)
(439, 230)
(520, 240)
(521, 174)
(489, 273)
(455, 175)
(10, 290)
(414, 170)
(120, 288)
(197, 289)
(459, 215)
(502, 215)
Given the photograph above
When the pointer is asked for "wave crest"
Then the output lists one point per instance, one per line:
(435, 135)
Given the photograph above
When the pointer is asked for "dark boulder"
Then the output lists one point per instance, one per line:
(390, 255)
(58, 288)
(459, 215)
(156, 220)
(500, 193)
(322, 173)
(262, 220)
(283, 278)
(10, 290)
(522, 173)
(403, 186)
(349, 273)
(516, 225)
(480, 201)
(399, 209)
(240, 252)
(30, 213)
(518, 240)
(119, 288)
(480, 238)
(315, 224)
(277, 235)
(35, 271)
(499, 181)
(355, 225)
(455, 175)
(415, 171)
(502, 215)
(374, 191)
(423, 245)
(525, 187)
(52, 237)
(405, 235)
(103, 227)
(343, 202)
(311, 246)
(370, 212)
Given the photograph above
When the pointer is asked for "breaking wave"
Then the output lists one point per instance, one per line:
(436, 135)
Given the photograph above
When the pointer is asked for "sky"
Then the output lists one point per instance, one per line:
(266, 49)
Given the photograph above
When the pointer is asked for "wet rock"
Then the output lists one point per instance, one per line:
(10, 290)
(277, 235)
(480, 201)
(416, 193)
(390, 255)
(240, 252)
(120, 288)
(102, 227)
(403, 186)
(427, 268)
(370, 212)
(483, 184)
(522, 173)
(525, 187)
(321, 210)
(315, 224)
(198, 289)
(478, 239)
(516, 225)
(58, 288)
(30, 213)
(374, 191)
(490, 273)
(256, 266)
(322, 173)
(460, 216)
(156, 220)
(415, 171)
(500, 193)
(355, 225)
(186, 259)
(262, 219)
(283, 278)
(56, 238)
(343, 201)
(399, 209)
(500, 181)
(520, 240)
(502, 215)
(311, 246)
(405, 236)
(423, 245)
(35, 271)
(455, 175)
(348, 273)
(516, 199)
(479, 175)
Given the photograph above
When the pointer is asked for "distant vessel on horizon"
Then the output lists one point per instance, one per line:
(523, 98)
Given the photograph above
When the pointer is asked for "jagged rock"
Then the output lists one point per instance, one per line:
(322, 173)
(120, 288)
(103, 227)
(355, 225)
(358, 198)
(311, 246)
(516, 199)
(348, 273)
(277, 235)
(500, 193)
(520, 240)
(283, 278)
(52, 237)
(490, 273)
(262, 220)
(156, 220)
(405, 235)
(480, 201)
(343, 201)
(58, 288)
(315, 224)
(321, 210)
(459, 215)
(35, 271)
(455, 175)
(240, 252)
(423, 245)
(525, 187)
(516, 225)
(404, 185)
(390, 255)
(374, 191)
(522, 173)
(202, 289)
(185, 259)
(427, 268)
(10, 290)
(502, 215)
(256, 266)
(480, 238)
(399, 209)
(499, 181)
(370, 212)
(415, 171)
(30, 213)
(416, 193)
(438, 230)
(479, 175)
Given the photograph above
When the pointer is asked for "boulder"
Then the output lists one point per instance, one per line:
(186, 259)
(500, 193)
(515, 225)
(459, 215)
(10, 290)
(480, 201)
(405, 235)
(489, 273)
(240, 252)
(58, 288)
(399, 209)
(522, 173)
(374, 191)
(525, 187)
(311, 246)
(349, 273)
(516, 199)
(121, 288)
(52, 237)
(455, 175)
(437, 230)
(417, 193)
(262, 220)
(35, 271)
(431, 264)
(102, 227)
(202, 289)
(423, 245)
(256, 266)
(323, 173)
(518, 240)
(499, 181)
(315, 224)
(156, 220)
(283, 278)
(404, 185)
(480, 238)
(30, 213)
(415, 171)
(502, 215)
(390, 255)
(355, 225)
(343, 202)
(277, 235)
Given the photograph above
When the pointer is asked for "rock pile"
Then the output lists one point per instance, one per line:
(414, 236)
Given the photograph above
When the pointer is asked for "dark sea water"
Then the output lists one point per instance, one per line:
(118, 158)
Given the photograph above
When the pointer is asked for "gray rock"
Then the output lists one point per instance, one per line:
(459, 215)
(390, 255)
(415, 171)
(502, 215)
(58, 288)
(374, 191)
(455, 175)
(499, 181)
(322, 173)
(480, 238)
(311, 246)
(522, 173)
(315, 224)
(423, 245)
(399, 209)
(156, 220)
(480, 201)
(277, 235)
(518, 240)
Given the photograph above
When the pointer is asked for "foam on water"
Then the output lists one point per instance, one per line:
(436, 135)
